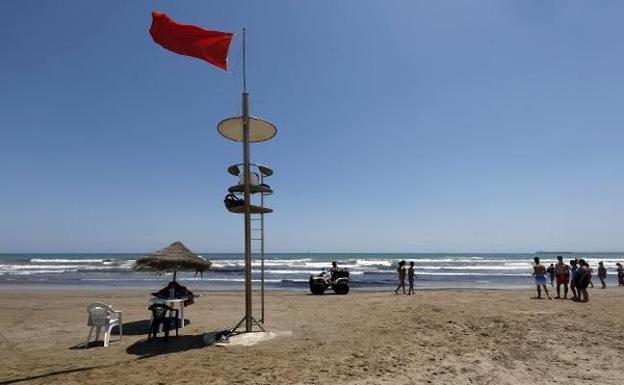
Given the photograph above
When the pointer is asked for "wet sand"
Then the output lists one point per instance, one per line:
(434, 337)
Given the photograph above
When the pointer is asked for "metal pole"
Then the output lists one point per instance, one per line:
(247, 176)
(262, 256)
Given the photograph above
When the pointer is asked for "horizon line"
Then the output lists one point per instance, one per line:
(336, 252)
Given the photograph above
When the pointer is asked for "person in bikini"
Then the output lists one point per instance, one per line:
(539, 272)
(401, 271)
(602, 274)
(562, 273)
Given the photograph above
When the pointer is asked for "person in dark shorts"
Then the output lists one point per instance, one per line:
(602, 274)
(620, 274)
(410, 278)
(582, 281)
(562, 273)
(551, 273)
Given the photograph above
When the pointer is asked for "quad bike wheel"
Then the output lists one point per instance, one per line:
(317, 288)
(341, 288)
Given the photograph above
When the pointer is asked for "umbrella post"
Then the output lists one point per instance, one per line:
(174, 274)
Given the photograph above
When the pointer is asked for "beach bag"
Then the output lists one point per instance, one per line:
(232, 200)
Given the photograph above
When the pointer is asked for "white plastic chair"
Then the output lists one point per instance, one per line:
(103, 316)
(254, 179)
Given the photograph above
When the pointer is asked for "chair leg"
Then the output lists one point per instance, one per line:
(149, 329)
(151, 333)
(107, 334)
(156, 329)
(97, 333)
(89, 337)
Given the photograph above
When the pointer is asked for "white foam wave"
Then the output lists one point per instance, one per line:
(69, 268)
(373, 262)
(46, 260)
(34, 272)
(486, 267)
(304, 272)
(474, 274)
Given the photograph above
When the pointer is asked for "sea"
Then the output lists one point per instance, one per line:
(288, 271)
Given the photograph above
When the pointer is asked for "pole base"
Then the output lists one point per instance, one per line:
(240, 324)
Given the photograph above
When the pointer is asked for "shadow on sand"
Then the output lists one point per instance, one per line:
(142, 348)
(138, 328)
(135, 328)
(158, 346)
(16, 380)
(56, 373)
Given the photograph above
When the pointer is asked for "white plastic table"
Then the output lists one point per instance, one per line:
(173, 302)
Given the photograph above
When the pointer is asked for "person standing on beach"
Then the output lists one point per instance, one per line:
(562, 271)
(602, 274)
(539, 272)
(401, 272)
(620, 274)
(584, 278)
(551, 273)
(410, 278)
(591, 274)
(574, 276)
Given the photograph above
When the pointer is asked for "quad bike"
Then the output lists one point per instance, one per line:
(337, 280)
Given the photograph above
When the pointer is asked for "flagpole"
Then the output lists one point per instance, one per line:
(247, 196)
(244, 63)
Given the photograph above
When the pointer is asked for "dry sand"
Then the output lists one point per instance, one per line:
(436, 337)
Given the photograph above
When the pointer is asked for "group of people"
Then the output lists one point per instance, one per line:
(403, 271)
(577, 276)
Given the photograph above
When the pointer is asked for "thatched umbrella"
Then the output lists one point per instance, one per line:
(172, 258)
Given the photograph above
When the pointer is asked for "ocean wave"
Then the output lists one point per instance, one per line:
(70, 268)
(37, 267)
(304, 272)
(59, 260)
(373, 262)
(486, 267)
(36, 272)
(474, 274)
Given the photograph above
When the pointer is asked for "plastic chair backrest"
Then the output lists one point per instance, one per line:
(99, 313)
(159, 310)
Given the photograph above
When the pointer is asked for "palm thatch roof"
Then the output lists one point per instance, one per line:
(175, 257)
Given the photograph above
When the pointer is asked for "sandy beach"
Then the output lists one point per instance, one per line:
(435, 337)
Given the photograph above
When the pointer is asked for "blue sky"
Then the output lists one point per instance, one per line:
(404, 126)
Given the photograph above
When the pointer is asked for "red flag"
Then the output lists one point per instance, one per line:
(189, 40)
